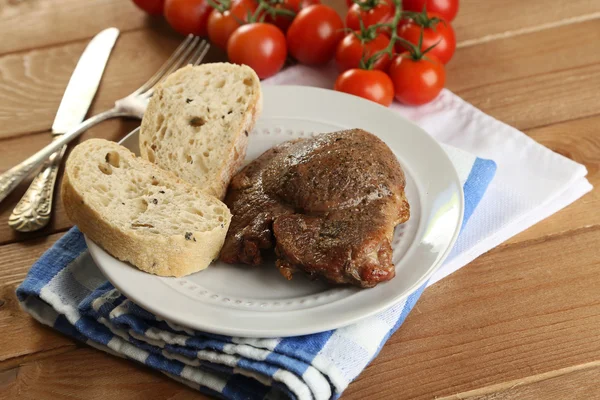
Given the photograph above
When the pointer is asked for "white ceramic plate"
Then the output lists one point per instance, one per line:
(257, 301)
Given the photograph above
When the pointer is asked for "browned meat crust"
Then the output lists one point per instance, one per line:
(328, 206)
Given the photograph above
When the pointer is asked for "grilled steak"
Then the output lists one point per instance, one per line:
(328, 205)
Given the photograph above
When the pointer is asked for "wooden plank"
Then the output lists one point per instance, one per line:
(51, 22)
(529, 55)
(89, 374)
(512, 313)
(532, 80)
(577, 382)
(21, 334)
(478, 20)
(498, 77)
(32, 83)
(59, 21)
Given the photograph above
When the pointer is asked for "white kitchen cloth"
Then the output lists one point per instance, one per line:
(532, 182)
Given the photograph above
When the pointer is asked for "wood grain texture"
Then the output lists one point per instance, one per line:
(512, 313)
(51, 22)
(577, 382)
(516, 80)
(73, 376)
(481, 19)
(21, 334)
(39, 77)
(532, 80)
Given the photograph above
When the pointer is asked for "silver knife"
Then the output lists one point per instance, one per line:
(34, 209)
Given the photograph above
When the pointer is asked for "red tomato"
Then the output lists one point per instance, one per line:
(307, 3)
(154, 7)
(379, 12)
(417, 81)
(221, 25)
(351, 50)
(314, 34)
(283, 22)
(188, 16)
(442, 34)
(260, 46)
(447, 9)
(372, 85)
(349, 3)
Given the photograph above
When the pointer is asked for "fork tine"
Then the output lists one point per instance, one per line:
(182, 60)
(200, 53)
(185, 45)
(194, 59)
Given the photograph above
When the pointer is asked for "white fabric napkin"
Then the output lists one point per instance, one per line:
(532, 182)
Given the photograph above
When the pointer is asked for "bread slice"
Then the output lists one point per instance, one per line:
(140, 213)
(197, 123)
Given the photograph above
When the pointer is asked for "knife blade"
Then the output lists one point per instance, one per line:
(35, 207)
(84, 82)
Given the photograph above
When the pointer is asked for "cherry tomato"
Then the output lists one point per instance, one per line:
(377, 12)
(417, 81)
(307, 3)
(283, 22)
(222, 24)
(154, 7)
(349, 3)
(260, 46)
(188, 16)
(447, 9)
(314, 34)
(351, 50)
(442, 36)
(373, 85)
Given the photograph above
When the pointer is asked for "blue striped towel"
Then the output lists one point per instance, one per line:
(65, 290)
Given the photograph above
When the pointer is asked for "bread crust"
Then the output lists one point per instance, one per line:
(171, 255)
(216, 181)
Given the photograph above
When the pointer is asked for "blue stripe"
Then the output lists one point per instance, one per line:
(64, 326)
(288, 363)
(64, 251)
(305, 347)
(243, 388)
(181, 350)
(164, 364)
(203, 343)
(210, 392)
(257, 366)
(481, 175)
(140, 312)
(95, 331)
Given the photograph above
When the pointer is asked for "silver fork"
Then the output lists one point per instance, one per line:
(191, 51)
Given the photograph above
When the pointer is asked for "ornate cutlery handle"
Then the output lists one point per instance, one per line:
(11, 178)
(33, 210)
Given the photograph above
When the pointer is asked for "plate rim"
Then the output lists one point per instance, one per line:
(96, 251)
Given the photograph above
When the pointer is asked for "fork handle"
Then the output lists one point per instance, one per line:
(33, 211)
(10, 179)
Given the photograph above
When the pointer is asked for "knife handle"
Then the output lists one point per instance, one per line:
(33, 210)
(10, 179)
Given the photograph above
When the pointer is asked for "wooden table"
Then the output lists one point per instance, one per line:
(522, 321)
